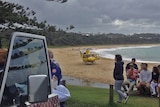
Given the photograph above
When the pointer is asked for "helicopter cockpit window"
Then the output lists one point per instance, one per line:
(28, 57)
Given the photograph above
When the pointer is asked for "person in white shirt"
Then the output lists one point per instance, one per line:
(145, 79)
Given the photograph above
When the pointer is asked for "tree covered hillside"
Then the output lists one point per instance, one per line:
(14, 17)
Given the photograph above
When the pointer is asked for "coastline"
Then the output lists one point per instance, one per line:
(105, 53)
(101, 71)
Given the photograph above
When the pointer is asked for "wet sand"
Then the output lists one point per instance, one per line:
(101, 71)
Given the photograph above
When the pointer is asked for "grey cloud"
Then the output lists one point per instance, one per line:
(119, 16)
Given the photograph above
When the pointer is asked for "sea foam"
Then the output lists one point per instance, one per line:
(105, 53)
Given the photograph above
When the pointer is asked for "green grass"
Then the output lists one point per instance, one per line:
(97, 97)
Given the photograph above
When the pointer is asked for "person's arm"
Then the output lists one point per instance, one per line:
(149, 76)
(127, 67)
(136, 66)
(129, 74)
(140, 76)
(59, 75)
(157, 76)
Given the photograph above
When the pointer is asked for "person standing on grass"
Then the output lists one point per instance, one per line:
(119, 78)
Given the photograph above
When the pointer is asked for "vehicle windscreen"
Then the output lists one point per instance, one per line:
(28, 56)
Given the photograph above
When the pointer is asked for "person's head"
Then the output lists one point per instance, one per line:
(158, 68)
(155, 69)
(118, 57)
(141, 65)
(145, 66)
(133, 60)
(50, 53)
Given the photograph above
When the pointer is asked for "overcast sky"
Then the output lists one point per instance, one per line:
(104, 16)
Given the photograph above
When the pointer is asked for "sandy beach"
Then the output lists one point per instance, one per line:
(72, 64)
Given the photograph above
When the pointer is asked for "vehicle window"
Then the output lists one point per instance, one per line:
(28, 57)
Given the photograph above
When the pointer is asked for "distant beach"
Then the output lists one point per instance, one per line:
(101, 71)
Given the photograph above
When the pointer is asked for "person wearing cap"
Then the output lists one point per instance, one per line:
(132, 75)
(133, 61)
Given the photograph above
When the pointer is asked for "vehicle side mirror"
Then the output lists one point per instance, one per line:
(37, 88)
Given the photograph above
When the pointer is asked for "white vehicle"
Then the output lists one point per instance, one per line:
(25, 80)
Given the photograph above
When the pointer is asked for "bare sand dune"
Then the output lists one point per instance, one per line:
(72, 64)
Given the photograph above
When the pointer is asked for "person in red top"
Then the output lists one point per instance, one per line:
(132, 75)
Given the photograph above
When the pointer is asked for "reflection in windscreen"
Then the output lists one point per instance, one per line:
(3, 54)
(28, 57)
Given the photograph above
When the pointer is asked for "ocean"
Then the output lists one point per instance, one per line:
(150, 54)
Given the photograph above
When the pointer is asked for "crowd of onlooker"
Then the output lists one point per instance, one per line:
(147, 82)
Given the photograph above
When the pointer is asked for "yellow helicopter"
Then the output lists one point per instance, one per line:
(88, 56)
